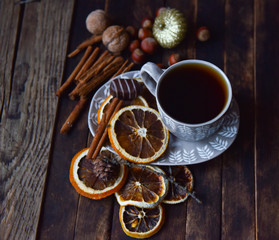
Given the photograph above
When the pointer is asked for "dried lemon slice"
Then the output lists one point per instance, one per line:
(145, 187)
(138, 134)
(139, 222)
(97, 178)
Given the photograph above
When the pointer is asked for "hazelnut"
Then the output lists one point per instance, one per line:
(134, 44)
(115, 38)
(147, 23)
(138, 56)
(97, 21)
(132, 31)
(174, 58)
(160, 65)
(144, 33)
(160, 10)
(203, 34)
(149, 45)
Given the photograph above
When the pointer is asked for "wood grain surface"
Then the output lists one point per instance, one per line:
(35, 52)
(266, 128)
(239, 189)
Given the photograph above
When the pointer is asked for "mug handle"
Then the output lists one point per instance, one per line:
(150, 74)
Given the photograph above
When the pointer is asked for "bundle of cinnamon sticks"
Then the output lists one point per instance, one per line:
(102, 130)
(93, 69)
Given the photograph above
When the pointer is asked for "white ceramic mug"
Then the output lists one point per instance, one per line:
(152, 77)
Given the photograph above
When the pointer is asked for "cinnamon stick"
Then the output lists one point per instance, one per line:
(101, 128)
(96, 69)
(88, 63)
(94, 153)
(106, 6)
(74, 53)
(71, 78)
(92, 40)
(101, 58)
(129, 67)
(108, 71)
(104, 136)
(92, 72)
(107, 61)
(73, 115)
(120, 69)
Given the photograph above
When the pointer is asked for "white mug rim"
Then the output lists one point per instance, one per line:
(211, 65)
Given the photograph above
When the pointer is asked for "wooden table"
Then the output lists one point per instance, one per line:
(239, 189)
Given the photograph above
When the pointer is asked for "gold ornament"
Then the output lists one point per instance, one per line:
(169, 28)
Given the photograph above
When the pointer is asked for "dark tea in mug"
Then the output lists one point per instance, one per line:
(192, 93)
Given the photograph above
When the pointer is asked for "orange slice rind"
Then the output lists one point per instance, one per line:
(139, 222)
(144, 187)
(181, 184)
(139, 100)
(99, 187)
(138, 134)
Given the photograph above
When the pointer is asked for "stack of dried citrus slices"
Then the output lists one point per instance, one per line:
(138, 136)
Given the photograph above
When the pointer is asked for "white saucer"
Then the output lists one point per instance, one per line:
(179, 152)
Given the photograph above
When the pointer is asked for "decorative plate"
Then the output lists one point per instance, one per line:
(179, 152)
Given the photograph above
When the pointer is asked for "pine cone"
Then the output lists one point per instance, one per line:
(104, 169)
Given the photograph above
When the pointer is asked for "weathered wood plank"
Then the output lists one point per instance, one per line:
(267, 118)
(8, 38)
(78, 215)
(204, 221)
(8, 41)
(30, 108)
(238, 215)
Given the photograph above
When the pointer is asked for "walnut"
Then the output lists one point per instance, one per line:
(116, 39)
(97, 21)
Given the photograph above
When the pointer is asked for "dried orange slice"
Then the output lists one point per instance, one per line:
(102, 108)
(180, 184)
(141, 222)
(137, 101)
(139, 80)
(145, 187)
(97, 178)
(138, 134)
